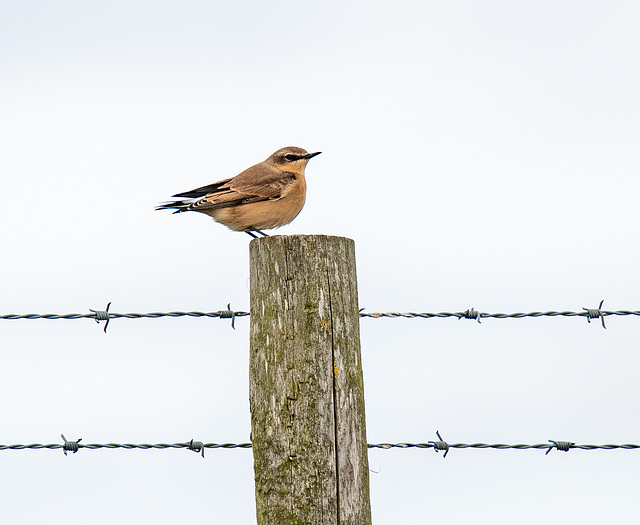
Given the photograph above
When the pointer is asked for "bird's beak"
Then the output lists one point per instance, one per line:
(311, 155)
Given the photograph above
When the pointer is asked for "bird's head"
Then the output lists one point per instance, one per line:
(291, 156)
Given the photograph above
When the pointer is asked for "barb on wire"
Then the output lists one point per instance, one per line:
(440, 445)
(470, 314)
(560, 445)
(71, 446)
(197, 446)
(594, 313)
(102, 315)
(229, 314)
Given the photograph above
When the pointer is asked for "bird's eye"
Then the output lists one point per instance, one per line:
(290, 157)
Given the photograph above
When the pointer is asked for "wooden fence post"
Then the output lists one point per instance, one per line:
(305, 386)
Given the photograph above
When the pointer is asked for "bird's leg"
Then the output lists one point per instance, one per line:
(252, 235)
(260, 232)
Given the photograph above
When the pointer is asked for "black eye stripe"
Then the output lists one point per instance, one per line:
(291, 157)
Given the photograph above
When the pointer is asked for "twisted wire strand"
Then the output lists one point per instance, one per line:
(504, 446)
(483, 315)
(224, 314)
(384, 446)
(126, 446)
(472, 313)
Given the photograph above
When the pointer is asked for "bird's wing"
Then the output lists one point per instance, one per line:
(263, 183)
(204, 190)
(252, 185)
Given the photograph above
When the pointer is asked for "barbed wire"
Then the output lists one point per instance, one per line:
(74, 446)
(503, 446)
(106, 315)
(589, 313)
(199, 447)
(223, 314)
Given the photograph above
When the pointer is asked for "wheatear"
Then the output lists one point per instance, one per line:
(267, 195)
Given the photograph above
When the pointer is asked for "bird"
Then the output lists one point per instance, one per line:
(267, 195)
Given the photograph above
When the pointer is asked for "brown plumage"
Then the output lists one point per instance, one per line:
(264, 196)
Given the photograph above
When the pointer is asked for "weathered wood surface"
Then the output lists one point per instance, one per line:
(306, 387)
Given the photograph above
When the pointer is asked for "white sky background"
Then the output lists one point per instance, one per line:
(480, 154)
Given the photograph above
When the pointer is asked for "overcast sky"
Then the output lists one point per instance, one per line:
(480, 154)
